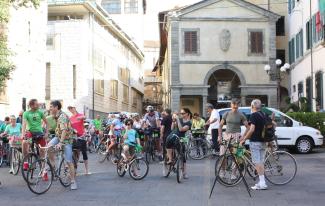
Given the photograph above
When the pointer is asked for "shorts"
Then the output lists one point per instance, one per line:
(234, 137)
(130, 148)
(67, 149)
(38, 141)
(258, 152)
(81, 144)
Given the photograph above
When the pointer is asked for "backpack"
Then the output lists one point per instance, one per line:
(268, 133)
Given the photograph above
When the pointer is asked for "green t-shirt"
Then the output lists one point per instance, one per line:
(51, 123)
(13, 131)
(3, 127)
(33, 120)
(98, 124)
(233, 121)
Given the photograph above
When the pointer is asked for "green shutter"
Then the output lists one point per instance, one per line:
(322, 6)
(289, 6)
(301, 43)
(314, 29)
(297, 46)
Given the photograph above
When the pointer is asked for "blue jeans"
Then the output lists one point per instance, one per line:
(67, 149)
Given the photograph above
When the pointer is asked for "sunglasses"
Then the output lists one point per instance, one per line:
(128, 124)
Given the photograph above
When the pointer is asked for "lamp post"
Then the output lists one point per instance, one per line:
(277, 75)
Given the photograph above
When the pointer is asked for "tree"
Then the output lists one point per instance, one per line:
(6, 66)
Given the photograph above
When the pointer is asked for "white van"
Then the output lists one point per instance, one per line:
(290, 133)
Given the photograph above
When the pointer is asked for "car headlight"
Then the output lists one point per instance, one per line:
(318, 132)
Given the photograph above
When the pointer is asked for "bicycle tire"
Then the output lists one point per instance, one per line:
(34, 176)
(286, 159)
(135, 164)
(166, 169)
(29, 158)
(120, 168)
(62, 171)
(196, 153)
(1, 155)
(230, 166)
(15, 160)
(179, 169)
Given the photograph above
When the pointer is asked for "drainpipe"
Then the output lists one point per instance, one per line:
(311, 61)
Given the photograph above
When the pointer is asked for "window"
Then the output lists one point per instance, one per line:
(292, 51)
(136, 97)
(74, 80)
(319, 89)
(280, 26)
(256, 42)
(114, 89)
(294, 88)
(299, 44)
(112, 6)
(125, 93)
(190, 42)
(308, 35)
(131, 6)
(50, 42)
(308, 92)
(99, 83)
(48, 82)
(124, 75)
(291, 5)
(300, 89)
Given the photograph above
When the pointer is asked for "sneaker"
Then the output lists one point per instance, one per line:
(11, 171)
(233, 177)
(185, 176)
(73, 186)
(222, 174)
(259, 187)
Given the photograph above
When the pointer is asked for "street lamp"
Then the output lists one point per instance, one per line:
(277, 75)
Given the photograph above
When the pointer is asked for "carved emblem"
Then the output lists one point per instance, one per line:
(225, 40)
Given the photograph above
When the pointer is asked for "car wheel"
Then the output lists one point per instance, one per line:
(304, 145)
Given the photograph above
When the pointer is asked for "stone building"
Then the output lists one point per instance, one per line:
(307, 51)
(91, 62)
(214, 50)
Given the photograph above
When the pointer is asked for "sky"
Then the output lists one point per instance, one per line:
(156, 6)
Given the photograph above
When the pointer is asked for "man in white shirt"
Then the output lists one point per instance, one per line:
(213, 123)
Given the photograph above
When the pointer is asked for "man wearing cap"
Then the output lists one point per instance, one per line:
(77, 123)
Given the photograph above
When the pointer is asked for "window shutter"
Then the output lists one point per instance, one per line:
(190, 42)
(256, 42)
(289, 6)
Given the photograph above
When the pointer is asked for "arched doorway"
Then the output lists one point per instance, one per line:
(224, 85)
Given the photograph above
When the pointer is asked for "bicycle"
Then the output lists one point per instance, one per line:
(41, 173)
(4, 153)
(32, 155)
(150, 147)
(177, 165)
(200, 147)
(138, 168)
(16, 157)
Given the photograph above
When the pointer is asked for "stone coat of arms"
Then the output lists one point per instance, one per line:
(225, 39)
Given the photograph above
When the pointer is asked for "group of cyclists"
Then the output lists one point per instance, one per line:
(57, 129)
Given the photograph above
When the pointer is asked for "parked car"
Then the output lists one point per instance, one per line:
(290, 133)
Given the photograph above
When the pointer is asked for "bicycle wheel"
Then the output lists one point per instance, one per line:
(196, 153)
(138, 169)
(39, 176)
(252, 171)
(166, 169)
(121, 168)
(280, 168)
(15, 160)
(227, 170)
(29, 158)
(64, 173)
(179, 169)
(1, 155)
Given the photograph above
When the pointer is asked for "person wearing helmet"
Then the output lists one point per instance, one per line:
(151, 122)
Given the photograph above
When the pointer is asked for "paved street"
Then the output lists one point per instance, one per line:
(104, 187)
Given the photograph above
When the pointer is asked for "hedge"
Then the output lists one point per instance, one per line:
(311, 119)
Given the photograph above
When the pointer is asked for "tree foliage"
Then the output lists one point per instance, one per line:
(6, 66)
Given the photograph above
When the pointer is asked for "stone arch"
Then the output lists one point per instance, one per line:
(224, 66)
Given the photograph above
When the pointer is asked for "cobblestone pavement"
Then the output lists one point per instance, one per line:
(104, 187)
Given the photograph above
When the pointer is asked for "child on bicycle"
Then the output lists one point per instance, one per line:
(131, 139)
